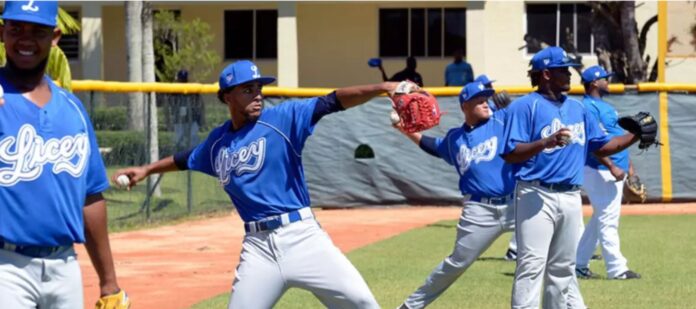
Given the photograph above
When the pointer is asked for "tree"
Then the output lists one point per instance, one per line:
(183, 45)
(149, 76)
(134, 44)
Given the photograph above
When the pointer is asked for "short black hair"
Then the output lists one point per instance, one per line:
(221, 94)
(534, 77)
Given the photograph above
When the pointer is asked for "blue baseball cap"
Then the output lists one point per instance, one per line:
(374, 62)
(38, 12)
(594, 73)
(550, 58)
(242, 72)
(473, 90)
(483, 79)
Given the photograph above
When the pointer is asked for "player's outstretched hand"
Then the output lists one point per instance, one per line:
(135, 174)
(404, 87)
(558, 139)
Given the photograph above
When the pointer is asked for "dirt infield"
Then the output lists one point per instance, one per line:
(179, 265)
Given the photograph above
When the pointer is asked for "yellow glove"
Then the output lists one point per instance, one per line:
(114, 301)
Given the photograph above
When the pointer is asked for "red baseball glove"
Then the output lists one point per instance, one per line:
(418, 111)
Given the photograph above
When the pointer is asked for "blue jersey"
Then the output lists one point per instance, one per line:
(609, 122)
(260, 164)
(49, 163)
(474, 154)
(458, 74)
(533, 117)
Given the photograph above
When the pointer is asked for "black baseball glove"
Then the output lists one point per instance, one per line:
(643, 125)
(501, 99)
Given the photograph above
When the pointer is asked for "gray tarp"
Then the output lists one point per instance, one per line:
(401, 173)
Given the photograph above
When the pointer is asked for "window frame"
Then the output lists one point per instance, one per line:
(253, 35)
(442, 9)
(529, 55)
(78, 17)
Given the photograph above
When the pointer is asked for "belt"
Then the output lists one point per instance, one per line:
(31, 251)
(274, 222)
(498, 200)
(558, 187)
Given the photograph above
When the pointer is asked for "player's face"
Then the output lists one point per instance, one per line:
(602, 85)
(559, 79)
(477, 108)
(27, 44)
(247, 99)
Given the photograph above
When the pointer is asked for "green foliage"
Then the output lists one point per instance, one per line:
(109, 118)
(183, 45)
(656, 247)
(129, 147)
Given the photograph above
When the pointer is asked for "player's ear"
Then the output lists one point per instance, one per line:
(546, 74)
(56, 36)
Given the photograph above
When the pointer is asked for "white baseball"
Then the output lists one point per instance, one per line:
(394, 117)
(123, 181)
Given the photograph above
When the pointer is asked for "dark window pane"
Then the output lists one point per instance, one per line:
(541, 24)
(417, 32)
(434, 32)
(238, 34)
(567, 27)
(455, 30)
(266, 34)
(393, 32)
(70, 43)
(584, 28)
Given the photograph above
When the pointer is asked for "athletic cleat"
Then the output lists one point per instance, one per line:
(596, 257)
(585, 273)
(510, 255)
(629, 274)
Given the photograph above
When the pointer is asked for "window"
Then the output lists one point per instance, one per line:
(418, 32)
(567, 25)
(251, 34)
(70, 43)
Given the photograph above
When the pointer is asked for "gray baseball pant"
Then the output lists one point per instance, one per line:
(54, 282)
(479, 225)
(548, 225)
(301, 255)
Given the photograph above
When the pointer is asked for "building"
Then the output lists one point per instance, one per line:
(327, 44)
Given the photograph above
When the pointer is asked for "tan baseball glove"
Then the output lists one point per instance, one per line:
(634, 190)
(114, 301)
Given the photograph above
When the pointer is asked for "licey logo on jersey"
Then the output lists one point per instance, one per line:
(484, 151)
(247, 159)
(577, 133)
(27, 153)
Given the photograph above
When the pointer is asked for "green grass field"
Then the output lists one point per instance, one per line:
(124, 207)
(660, 248)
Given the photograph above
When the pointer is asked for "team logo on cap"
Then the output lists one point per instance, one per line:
(229, 77)
(256, 72)
(546, 61)
(596, 73)
(30, 7)
(480, 86)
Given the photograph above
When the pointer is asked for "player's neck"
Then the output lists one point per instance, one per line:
(595, 93)
(23, 80)
(549, 94)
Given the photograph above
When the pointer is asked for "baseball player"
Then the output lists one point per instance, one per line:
(485, 179)
(257, 157)
(51, 175)
(548, 136)
(603, 185)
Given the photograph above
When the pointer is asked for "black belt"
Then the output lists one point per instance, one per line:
(558, 187)
(31, 251)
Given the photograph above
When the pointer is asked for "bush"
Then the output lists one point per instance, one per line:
(129, 147)
(109, 118)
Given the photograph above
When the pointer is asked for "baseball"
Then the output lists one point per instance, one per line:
(394, 117)
(123, 181)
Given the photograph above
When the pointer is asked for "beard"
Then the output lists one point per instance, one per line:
(39, 69)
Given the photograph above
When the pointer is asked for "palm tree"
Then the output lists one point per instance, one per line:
(58, 67)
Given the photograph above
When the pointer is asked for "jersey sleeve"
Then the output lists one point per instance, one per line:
(200, 158)
(518, 126)
(297, 121)
(442, 147)
(596, 137)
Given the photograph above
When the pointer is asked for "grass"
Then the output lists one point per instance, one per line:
(125, 207)
(658, 247)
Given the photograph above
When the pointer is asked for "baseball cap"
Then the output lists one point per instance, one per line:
(474, 89)
(374, 62)
(38, 12)
(483, 79)
(242, 72)
(594, 73)
(550, 58)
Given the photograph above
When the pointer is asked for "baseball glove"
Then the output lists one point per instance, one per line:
(114, 301)
(634, 190)
(643, 125)
(501, 99)
(418, 111)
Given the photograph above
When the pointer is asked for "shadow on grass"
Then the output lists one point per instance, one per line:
(443, 225)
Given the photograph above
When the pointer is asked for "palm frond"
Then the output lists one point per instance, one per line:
(66, 23)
